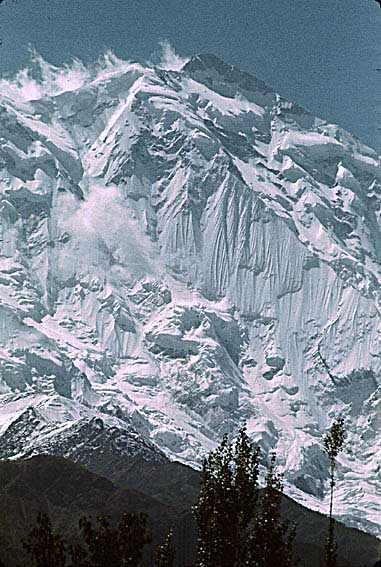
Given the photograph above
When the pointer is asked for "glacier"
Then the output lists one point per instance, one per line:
(181, 251)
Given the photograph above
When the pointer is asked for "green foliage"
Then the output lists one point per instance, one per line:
(44, 547)
(165, 553)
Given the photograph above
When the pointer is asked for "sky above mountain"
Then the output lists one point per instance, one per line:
(324, 55)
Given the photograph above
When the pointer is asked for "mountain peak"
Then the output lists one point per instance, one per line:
(186, 243)
(207, 65)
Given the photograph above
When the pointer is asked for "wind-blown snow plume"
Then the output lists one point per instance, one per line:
(169, 59)
(41, 78)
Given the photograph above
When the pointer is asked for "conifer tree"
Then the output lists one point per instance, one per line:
(165, 553)
(44, 547)
(333, 443)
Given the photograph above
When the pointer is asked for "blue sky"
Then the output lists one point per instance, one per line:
(323, 54)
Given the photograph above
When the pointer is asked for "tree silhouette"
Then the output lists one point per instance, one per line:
(272, 538)
(226, 503)
(45, 548)
(237, 528)
(333, 443)
(120, 546)
(165, 553)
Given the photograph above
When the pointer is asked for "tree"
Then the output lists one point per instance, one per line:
(213, 508)
(165, 553)
(132, 537)
(226, 503)
(78, 556)
(272, 538)
(246, 490)
(120, 546)
(333, 443)
(45, 548)
(236, 528)
(100, 541)
(5, 547)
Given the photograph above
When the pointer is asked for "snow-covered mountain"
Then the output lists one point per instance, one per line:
(182, 251)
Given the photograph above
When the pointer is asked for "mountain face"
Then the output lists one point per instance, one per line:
(183, 251)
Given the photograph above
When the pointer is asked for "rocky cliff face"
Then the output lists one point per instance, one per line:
(183, 251)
